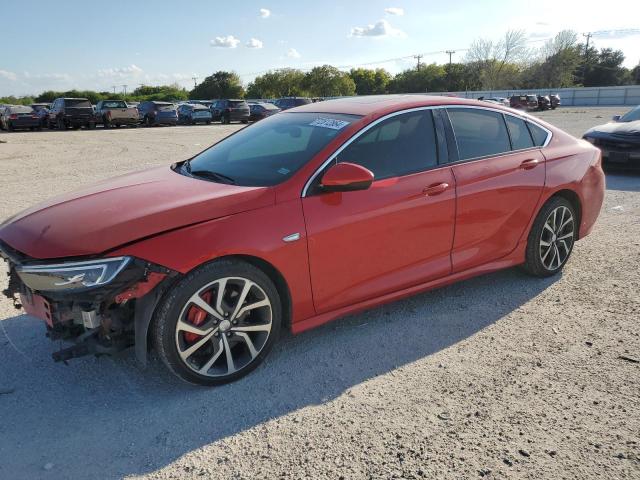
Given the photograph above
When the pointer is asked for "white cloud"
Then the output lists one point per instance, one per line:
(265, 13)
(120, 72)
(8, 75)
(380, 29)
(254, 43)
(395, 11)
(225, 42)
(293, 53)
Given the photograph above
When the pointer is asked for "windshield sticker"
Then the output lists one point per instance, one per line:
(331, 123)
(283, 171)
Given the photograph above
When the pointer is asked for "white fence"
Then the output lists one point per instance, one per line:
(629, 95)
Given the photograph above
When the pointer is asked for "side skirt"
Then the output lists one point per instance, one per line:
(514, 258)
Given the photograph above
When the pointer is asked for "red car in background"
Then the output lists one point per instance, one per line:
(304, 217)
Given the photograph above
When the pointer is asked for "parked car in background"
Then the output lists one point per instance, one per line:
(42, 110)
(206, 103)
(496, 100)
(524, 102)
(71, 112)
(116, 113)
(155, 113)
(192, 113)
(619, 140)
(259, 111)
(230, 110)
(285, 225)
(16, 117)
(555, 100)
(291, 102)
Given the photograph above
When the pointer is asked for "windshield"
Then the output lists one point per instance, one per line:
(114, 104)
(237, 103)
(77, 102)
(631, 116)
(21, 109)
(271, 151)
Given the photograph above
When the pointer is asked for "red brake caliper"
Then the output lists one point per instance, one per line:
(196, 316)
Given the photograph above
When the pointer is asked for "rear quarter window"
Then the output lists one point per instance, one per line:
(520, 136)
(539, 134)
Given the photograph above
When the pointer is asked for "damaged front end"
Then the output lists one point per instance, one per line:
(100, 305)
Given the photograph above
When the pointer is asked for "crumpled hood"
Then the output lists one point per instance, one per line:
(124, 209)
(620, 128)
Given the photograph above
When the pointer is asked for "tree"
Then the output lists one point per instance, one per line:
(369, 81)
(286, 82)
(635, 75)
(328, 81)
(219, 85)
(462, 76)
(497, 61)
(428, 78)
(605, 69)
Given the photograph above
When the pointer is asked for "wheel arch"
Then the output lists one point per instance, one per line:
(573, 198)
(147, 315)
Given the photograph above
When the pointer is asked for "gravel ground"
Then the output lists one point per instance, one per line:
(501, 376)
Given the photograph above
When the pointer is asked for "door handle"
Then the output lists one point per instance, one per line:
(529, 164)
(435, 189)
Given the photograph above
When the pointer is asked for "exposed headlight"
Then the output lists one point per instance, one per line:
(590, 139)
(71, 275)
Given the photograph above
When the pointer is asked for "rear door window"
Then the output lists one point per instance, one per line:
(398, 146)
(478, 132)
(519, 133)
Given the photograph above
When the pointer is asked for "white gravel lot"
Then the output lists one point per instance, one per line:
(501, 376)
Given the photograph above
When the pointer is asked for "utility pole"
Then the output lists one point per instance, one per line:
(586, 55)
(195, 81)
(124, 90)
(114, 89)
(450, 52)
(418, 57)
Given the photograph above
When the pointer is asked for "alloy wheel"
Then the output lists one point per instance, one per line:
(556, 239)
(223, 326)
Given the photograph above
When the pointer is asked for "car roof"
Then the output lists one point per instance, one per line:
(382, 104)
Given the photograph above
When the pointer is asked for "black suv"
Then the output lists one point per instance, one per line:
(290, 102)
(71, 112)
(230, 110)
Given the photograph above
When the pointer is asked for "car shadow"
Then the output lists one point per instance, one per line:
(626, 180)
(106, 418)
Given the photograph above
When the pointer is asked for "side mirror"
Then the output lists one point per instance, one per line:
(346, 177)
(616, 118)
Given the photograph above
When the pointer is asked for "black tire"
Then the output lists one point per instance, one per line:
(175, 304)
(106, 123)
(245, 121)
(208, 122)
(9, 127)
(91, 125)
(147, 122)
(536, 250)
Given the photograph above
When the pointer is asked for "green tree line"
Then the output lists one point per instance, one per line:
(489, 65)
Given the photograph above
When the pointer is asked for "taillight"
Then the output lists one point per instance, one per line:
(13, 116)
(34, 116)
(109, 113)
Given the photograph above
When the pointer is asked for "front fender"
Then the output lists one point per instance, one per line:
(256, 233)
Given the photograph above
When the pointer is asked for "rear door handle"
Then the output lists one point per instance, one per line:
(529, 164)
(435, 189)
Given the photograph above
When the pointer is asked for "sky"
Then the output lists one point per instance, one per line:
(88, 44)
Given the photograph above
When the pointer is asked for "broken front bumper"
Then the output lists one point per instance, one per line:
(100, 310)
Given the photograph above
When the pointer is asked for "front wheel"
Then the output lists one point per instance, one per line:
(551, 239)
(218, 323)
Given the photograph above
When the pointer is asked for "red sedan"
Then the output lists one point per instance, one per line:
(309, 215)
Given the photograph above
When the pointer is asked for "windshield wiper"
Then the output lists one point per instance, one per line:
(215, 176)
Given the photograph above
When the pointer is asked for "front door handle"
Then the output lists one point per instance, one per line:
(529, 164)
(435, 189)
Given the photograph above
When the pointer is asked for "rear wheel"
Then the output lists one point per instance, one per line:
(551, 239)
(218, 323)
(60, 124)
